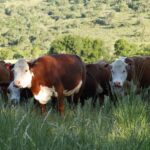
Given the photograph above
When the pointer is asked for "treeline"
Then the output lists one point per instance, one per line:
(49, 27)
(89, 49)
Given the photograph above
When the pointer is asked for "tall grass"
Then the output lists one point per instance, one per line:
(125, 126)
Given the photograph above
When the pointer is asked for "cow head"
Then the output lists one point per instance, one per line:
(22, 74)
(14, 93)
(120, 70)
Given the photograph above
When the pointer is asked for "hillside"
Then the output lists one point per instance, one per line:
(33, 24)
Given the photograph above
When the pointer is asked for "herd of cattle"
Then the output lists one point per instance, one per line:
(54, 77)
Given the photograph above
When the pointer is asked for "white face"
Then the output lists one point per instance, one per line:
(22, 74)
(14, 93)
(119, 73)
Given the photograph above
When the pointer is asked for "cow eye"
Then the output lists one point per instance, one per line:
(123, 71)
(26, 70)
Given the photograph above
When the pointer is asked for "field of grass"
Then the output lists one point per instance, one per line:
(126, 126)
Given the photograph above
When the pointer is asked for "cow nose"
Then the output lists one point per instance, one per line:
(117, 84)
(17, 83)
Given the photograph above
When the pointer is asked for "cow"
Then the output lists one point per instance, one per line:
(127, 70)
(48, 76)
(97, 82)
(4, 78)
(8, 90)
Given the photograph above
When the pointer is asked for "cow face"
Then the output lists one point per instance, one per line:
(119, 72)
(14, 93)
(22, 74)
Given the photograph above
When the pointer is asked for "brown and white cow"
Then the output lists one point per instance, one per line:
(51, 76)
(135, 69)
(8, 90)
(97, 82)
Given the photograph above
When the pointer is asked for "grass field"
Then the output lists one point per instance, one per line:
(126, 126)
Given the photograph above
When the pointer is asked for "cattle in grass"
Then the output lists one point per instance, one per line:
(51, 76)
(8, 91)
(97, 82)
(127, 70)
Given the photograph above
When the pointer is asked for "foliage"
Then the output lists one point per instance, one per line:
(122, 45)
(26, 24)
(88, 49)
(5, 54)
(124, 48)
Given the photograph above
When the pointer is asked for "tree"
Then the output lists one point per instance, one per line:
(88, 49)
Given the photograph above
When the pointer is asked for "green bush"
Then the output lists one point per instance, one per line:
(122, 45)
(8, 11)
(124, 48)
(88, 49)
(6, 53)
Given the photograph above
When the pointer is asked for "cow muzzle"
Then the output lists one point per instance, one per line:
(17, 83)
(117, 84)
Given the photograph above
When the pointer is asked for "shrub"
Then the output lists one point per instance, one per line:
(122, 6)
(6, 53)
(122, 45)
(83, 15)
(16, 56)
(35, 52)
(101, 21)
(8, 11)
(88, 49)
(124, 48)
(70, 16)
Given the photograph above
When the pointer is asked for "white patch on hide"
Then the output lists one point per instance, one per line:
(45, 94)
(73, 91)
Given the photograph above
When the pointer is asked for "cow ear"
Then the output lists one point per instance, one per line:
(106, 65)
(129, 61)
(109, 66)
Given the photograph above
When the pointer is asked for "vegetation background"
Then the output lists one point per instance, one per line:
(93, 29)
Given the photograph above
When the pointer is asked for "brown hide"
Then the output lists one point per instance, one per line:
(96, 75)
(4, 73)
(63, 71)
(4, 78)
(139, 70)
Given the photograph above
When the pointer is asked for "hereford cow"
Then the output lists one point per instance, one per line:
(51, 76)
(7, 87)
(97, 82)
(135, 69)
